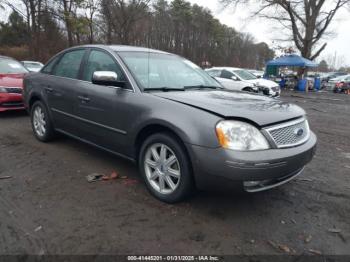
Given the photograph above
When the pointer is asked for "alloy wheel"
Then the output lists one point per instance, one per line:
(39, 121)
(162, 168)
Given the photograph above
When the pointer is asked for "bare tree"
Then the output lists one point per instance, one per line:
(67, 11)
(91, 7)
(121, 17)
(307, 21)
(33, 17)
(335, 61)
(176, 26)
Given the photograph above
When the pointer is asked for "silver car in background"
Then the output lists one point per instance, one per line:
(242, 80)
(337, 80)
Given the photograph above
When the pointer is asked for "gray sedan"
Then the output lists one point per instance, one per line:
(172, 119)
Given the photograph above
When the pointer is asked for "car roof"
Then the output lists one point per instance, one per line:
(123, 48)
(226, 68)
(26, 61)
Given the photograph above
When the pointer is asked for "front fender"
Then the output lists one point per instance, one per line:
(193, 125)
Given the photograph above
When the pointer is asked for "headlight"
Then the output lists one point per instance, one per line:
(241, 136)
(3, 89)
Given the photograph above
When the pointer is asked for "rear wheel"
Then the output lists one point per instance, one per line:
(41, 122)
(165, 167)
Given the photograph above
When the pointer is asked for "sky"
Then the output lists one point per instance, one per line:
(260, 29)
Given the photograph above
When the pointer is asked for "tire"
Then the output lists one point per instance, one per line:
(248, 89)
(46, 133)
(180, 171)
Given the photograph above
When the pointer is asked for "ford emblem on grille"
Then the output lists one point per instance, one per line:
(298, 132)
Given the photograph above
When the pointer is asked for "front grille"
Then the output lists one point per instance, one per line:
(12, 104)
(14, 90)
(290, 134)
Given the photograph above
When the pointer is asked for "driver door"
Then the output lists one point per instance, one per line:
(102, 110)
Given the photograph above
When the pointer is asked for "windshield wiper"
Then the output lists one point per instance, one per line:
(202, 87)
(164, 89)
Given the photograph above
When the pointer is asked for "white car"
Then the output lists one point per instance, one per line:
(32, 66)
(242, 80)
(340, 79)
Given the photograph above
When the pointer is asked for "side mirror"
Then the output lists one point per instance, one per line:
(107, 78)
(234, 78)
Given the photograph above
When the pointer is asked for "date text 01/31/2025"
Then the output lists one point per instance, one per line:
(173, 258)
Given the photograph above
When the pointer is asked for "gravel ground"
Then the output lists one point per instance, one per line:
(47, 206)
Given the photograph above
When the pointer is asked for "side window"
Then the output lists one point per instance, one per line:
(226, 74)
(47, 69)
(214, 73)
(69, 64)
(101, 61)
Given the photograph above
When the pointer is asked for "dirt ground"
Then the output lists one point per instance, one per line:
(47, 206)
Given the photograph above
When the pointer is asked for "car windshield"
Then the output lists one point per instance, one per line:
(339, 78)
(9, 66)
(244, 74)
(165, 71)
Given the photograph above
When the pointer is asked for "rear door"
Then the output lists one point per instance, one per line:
(61, 87)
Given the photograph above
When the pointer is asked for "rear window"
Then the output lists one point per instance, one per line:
(9, 66)
(50, 65)
(69, 64)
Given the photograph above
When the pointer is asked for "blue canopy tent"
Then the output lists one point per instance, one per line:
(292, 61)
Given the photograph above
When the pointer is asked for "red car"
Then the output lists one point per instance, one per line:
(11, 84)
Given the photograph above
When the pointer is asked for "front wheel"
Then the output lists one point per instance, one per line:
(41, 123)
(248, 89)
(166, 169)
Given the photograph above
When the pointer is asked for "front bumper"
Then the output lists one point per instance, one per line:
(9, 101)
(276, 94)
(269, 166)
(273, 92)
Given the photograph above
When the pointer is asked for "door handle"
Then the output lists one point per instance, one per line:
(84, 99)
(49, 89)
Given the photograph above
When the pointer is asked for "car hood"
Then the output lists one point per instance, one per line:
(259, 109)
(263, 82)
(11, 80)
